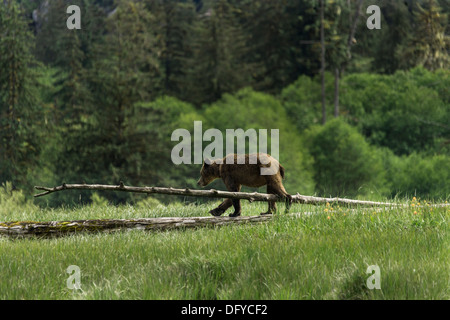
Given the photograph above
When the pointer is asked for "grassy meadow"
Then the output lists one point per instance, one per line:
(322, 253)
(369, 120)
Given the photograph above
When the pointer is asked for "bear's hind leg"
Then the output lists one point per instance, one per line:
(272, 204)
(279, 190)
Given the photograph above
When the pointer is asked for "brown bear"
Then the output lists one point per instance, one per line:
(237, 170)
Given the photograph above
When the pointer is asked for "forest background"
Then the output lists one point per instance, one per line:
(99, 104)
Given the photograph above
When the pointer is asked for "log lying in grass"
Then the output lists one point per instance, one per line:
(60, 228)
(251, 196)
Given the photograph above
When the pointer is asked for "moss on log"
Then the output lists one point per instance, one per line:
(60, 228)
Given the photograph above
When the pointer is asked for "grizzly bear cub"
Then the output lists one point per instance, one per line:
(237, 170)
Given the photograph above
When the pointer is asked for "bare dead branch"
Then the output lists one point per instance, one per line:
(212, 193)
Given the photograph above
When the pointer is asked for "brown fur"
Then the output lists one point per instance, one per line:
(236, 175)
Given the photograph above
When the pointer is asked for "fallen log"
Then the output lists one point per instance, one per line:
(61, 228)
(212, 193)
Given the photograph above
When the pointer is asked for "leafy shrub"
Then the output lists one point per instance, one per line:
(13, 200)
(148, 202)
(98, 200)
(344, 163)
(302, 100)
(406, 112)
(417, 175)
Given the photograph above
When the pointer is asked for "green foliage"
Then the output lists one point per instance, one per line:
(48, 48)
(337, 14)
(302, 100)
(272, 27)
(174, 41)
(14, 203)
(103, 104)
(395, 26)
(344, 163)
(413, 34)
(20, 106)
(218, 50)
(428, 44)
(147, 203)
(151, 134)
(54, 42)
(98, 200)
(422, 176)
(124, 70)
(405, 112)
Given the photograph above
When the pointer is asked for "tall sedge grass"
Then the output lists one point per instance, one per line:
(321, 253)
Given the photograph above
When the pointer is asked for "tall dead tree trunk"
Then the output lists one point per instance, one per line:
(322, 60)
(336, 92)
(353, 24)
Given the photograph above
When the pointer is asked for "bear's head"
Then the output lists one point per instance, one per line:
(208, 173)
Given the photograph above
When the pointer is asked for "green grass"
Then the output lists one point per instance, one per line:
(322, 255)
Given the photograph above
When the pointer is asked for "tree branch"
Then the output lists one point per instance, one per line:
(212, 193)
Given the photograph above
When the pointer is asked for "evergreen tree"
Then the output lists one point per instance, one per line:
(125, 70)
(52, 37)
(396, 25)
(52, 15)
(70, 100)
(126, 66)
(218, 52)
(428, 45)
(176, 20)
(272, 28)
(73, 94)
(20, 108)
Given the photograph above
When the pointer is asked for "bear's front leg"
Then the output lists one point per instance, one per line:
(216, 212)
(221, 208)
(237, 208)
(233, 187)
(272, 208)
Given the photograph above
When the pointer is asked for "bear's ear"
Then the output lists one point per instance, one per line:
(207, 162)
